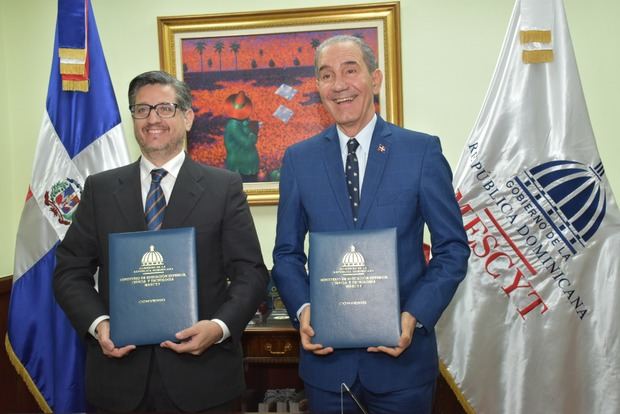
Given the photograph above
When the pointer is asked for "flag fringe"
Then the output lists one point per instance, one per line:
(535, 36)
(68, 53)
(445, 373)
(537, 56)
(23, 372)
(75, 85)
(72, 68)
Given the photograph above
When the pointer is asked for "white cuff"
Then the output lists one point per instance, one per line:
(301, 308)
(225, 330)
(93, 326)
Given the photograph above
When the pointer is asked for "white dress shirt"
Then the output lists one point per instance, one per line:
(167, 183)
(363, 137)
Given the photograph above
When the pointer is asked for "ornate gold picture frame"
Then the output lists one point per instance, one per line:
(253, 84)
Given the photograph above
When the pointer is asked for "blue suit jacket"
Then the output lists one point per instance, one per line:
(407, 184)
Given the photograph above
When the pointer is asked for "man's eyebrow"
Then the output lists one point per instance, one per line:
(347, 63)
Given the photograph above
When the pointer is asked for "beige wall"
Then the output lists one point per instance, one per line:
(8, 205)
(449, 52)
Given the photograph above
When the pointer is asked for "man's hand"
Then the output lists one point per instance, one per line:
(407, 322)
(306, 333)
(196, 339)
(106, 344)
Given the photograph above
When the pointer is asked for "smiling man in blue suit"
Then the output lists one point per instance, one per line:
(401, 180)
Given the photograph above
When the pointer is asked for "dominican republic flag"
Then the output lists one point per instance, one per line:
(80, 135)
(534, 327)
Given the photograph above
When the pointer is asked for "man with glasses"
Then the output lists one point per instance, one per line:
(204, 371)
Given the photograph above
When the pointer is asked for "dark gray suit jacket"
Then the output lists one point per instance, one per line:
(212, 201)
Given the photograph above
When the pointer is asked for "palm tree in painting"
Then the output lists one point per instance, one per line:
(200, 48)
(315, 43)
(261, 52)
(219, 47)
(234, 47)
(209, 63)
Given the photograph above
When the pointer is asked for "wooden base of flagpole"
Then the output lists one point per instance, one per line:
(16, 398)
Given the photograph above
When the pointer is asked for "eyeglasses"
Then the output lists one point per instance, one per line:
(164, 110)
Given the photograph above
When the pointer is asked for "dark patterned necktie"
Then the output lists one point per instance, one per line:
(352, 171)
(155, 201)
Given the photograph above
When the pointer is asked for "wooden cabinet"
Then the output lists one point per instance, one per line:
(271, 353)
(275, 341)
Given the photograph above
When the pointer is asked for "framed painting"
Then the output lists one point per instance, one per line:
(253, 82)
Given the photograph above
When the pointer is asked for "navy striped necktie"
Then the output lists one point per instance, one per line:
(155, 201)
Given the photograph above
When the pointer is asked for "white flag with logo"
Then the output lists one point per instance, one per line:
(534, 327)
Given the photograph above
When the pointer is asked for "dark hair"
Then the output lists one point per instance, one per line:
(157, 77)
(367, 54)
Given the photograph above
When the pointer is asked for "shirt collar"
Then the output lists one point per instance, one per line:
(363, 137)
(172, 166)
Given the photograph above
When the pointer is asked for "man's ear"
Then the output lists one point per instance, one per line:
(188, 116)
(377, 79)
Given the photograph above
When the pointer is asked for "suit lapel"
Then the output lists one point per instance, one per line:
(332, 160)
(378, 154)
(128, 196)
(185, 194)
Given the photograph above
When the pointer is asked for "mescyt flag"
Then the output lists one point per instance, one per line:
(80, 135)
(534, 326)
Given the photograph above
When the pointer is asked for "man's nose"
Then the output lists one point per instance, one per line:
(339, 83)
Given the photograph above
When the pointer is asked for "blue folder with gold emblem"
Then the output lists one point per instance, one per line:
(354, 288)
(153, 286)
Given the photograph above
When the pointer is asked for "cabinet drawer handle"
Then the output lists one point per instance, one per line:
(287, 348)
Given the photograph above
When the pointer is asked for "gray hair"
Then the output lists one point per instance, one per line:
(157, 77)
(367, 54)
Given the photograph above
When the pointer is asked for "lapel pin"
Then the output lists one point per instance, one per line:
(381, 148)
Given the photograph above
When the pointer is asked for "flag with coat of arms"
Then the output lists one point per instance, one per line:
(534, 327)
(80, 135)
